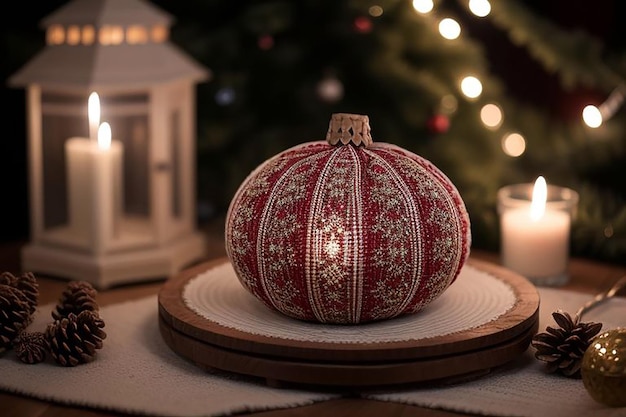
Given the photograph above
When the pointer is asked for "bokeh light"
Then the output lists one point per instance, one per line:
(513, 144)
(592, 116)
(471, 87)
(423, 6)
(449, 28)
(491, 115)
(480, 8)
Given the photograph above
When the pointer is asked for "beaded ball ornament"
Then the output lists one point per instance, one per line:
(347, 230)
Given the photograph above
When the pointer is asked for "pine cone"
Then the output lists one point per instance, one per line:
(31, 347)
(78, 296)
(14, 315)
(74, 339)
(27, 283)
(7, 278)
(563, 348)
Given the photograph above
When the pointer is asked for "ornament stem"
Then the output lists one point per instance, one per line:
(601, 298)
(346, 128)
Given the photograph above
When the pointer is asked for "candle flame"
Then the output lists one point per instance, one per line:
(93, 111)
(540, 195)
(93, 107)
(104, 136)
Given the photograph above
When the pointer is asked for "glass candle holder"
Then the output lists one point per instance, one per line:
(536, 247)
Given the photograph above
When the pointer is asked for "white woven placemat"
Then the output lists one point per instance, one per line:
(523, 389)
(137, 373)
(475, 298)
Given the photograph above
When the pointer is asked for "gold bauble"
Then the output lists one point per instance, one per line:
(604, 368)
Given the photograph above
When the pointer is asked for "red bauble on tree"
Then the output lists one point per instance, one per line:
(347, 230)
(266, 42)
(363, 24)
(438, 123)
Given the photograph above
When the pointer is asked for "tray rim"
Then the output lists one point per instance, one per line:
(294, 373)
(522, 316)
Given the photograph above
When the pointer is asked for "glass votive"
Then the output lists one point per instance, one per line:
(536, 247)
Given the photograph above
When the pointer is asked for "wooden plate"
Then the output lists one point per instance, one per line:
(347, 364)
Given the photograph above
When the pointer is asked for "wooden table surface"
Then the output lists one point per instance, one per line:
(586, 276)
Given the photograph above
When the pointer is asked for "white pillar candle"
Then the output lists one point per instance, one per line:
(535, 237)
(94, 173)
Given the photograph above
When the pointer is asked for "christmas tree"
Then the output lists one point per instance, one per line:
(280, 68)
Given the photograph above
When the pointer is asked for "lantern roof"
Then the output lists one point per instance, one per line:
(107, 12)
(95, 67)
(81, 65)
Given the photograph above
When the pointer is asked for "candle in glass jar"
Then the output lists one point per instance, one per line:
(535, 237)
(94, 171)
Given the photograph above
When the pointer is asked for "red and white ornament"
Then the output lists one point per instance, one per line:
(347, 230)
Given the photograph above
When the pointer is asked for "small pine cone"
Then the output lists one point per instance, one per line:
(74, 339)
(78, 296)
(563, 348)
(25, 282)
(7, 278)
(31, 347)
(14, 315)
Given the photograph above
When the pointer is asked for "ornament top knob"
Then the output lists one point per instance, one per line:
(346, 128)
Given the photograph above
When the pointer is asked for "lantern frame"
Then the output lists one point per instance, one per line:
(120, 50)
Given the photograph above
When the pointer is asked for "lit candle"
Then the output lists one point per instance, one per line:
(94, 172)
(535, 234)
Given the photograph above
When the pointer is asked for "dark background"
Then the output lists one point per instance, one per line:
(21, 38)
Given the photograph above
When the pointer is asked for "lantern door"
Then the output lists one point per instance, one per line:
(83, 196)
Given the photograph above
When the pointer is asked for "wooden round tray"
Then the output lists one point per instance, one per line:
(344, 364)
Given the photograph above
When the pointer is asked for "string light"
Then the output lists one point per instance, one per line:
(423, 6)
(480, 8)
(471, 87)
(592, 116)
(449, 104)
(491, 116)
(330, 89)
(449, 28)
(615, 100)
(514, 144)
(375, 11)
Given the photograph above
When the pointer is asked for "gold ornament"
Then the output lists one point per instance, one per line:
(604, 368)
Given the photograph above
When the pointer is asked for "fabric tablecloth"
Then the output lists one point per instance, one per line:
(136, 372)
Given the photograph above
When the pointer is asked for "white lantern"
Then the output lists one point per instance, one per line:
(124, 212)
